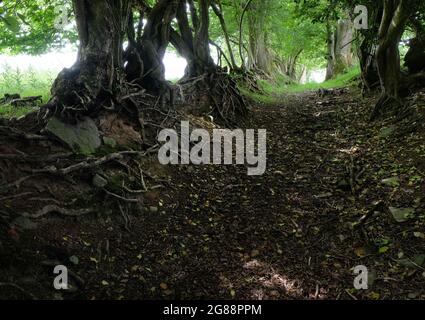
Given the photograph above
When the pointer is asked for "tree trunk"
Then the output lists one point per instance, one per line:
(291, 69)
(219, 13)
(204, 82)
(260, 59)
(368, 66)
(415, 57)
(340, 56)
(194, 46)
(367, 48)
(203, 61)
(92, 79)
(388, 57)
(145, 54)
(331, 53)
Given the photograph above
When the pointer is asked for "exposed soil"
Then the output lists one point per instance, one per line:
(295, 232)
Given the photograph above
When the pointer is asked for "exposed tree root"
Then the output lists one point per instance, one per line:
(248, 79)
(120, 197)
(56, 209)
(385, 107)
(88, 163)
(219, 92)
(388, 106)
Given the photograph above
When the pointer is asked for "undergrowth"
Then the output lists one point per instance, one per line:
(26, 82)
(272, 92)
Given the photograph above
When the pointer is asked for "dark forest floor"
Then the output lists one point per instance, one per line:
(289, 234)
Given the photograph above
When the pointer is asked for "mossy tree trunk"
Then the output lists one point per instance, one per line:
(260, 58)
(340, 56)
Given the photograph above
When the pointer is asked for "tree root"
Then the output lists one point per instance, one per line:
(386, 106)
(120, 197)
(219, 90)
(38, 158)
(88, 164)
(248, 79)
(16, 196)
(56, 209)
(16, 183)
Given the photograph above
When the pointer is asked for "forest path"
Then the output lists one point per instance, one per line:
(280, 235)
(288, 233)
(218, 233)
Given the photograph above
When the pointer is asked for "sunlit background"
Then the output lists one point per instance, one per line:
(54, 62)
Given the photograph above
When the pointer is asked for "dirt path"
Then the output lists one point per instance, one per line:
(218, 233)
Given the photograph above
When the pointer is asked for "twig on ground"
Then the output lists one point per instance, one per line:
(125, 217)
(16, 196)
(89, 163)
(142, 180)
(120, 197)
(351, 295)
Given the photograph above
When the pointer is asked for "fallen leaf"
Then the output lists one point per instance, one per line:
(419, 235)
(402, 214)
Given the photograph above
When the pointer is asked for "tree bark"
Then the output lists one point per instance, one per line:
(92, 79)
(340, 56)
(260, 58)
(367, 47)
(415, 57)
(388, 57)
(193, 45)
(147, 53)
(219, 13)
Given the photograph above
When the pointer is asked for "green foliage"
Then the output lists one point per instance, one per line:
(12, 112)
(11, 23)
(287, 32)
(261, 98)
(32, 27)
(292, 33)
(340, 81)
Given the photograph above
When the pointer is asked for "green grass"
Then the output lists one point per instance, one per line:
(27, 83)
(262, 98)
(8, 111)
(340, 81)
(273, 91)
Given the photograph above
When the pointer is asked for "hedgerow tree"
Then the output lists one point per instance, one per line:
(393, 21)
(121, 47)
(101, 26)
(122, 44)
(378, 44)
(335, 17)
(415, 57)
(395, 16)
